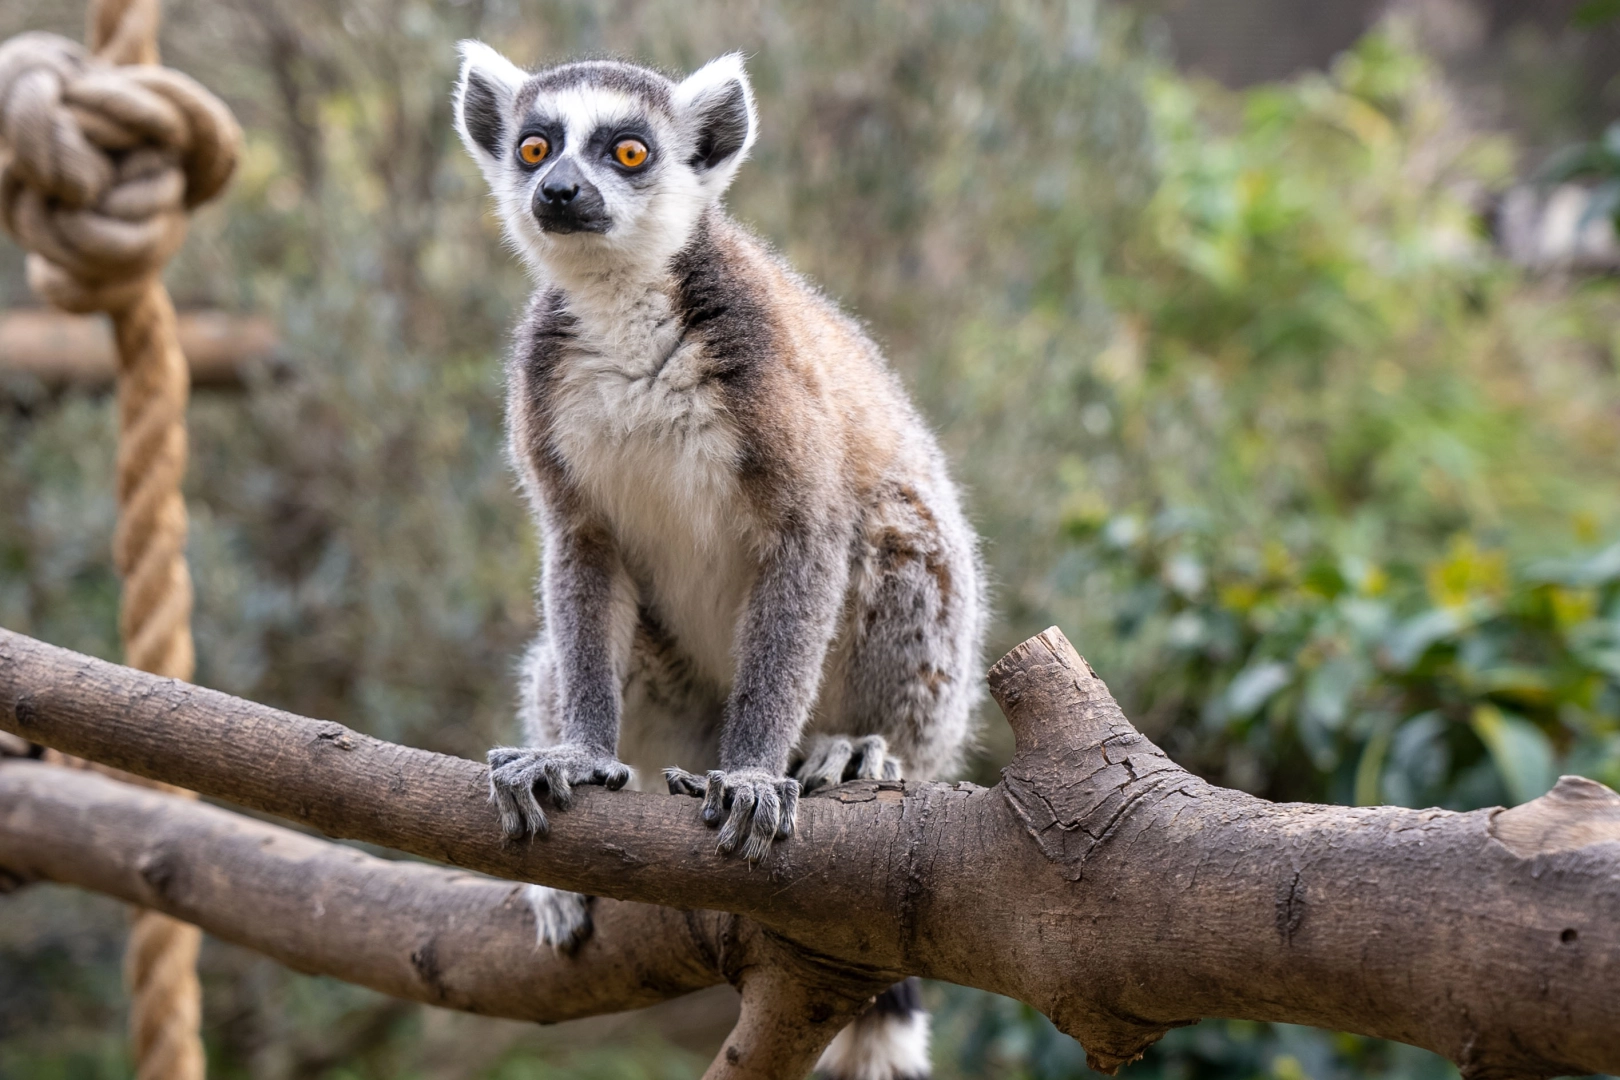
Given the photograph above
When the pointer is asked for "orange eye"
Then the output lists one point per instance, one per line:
(534, 149)
(630, 153)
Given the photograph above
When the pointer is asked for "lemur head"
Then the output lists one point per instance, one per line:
(599, 164)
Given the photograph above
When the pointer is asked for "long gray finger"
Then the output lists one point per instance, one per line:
(521, 782)
(740, 821)
(557, 784)
(533, 816)
(867, 760)
(767, 815)
(789, 794)
(511, 789)
(714, 798)
(827, 766)
(512, 823)
(503, 755)
(615, 776)
(682, 782)
(891, 768)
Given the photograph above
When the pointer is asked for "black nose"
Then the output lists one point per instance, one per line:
(565, 201)
(561, 185)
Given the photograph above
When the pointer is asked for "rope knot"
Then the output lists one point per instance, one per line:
(99, 165)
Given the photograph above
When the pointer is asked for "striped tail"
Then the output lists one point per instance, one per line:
(889, 1041)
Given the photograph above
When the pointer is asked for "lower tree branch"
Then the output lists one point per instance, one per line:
(1099, 881)
(418, 932)
(414, 931)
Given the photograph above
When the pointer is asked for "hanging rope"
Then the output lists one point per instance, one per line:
(105, 154)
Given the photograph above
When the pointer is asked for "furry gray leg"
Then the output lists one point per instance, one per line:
(889, 1041)
(561, 919)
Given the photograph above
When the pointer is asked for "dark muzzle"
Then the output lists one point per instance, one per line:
(566, 202)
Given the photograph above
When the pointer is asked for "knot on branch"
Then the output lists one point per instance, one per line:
(1577, 812)
(102, 163)
(1081, 770)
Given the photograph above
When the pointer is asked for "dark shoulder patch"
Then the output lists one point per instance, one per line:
(724, 304)
(720, 305)
(543, 333)
(540, 342)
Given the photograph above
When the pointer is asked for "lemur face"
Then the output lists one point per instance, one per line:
(600, 162)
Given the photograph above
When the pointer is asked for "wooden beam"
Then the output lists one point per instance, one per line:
(77, 350)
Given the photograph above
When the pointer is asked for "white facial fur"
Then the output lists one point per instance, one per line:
(653, 212)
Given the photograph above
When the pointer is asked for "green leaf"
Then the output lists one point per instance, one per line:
(1370, 767)
(1595, 13)
(1254, 686)
(1412, 638)
(1417, 761)
(1523, 684)
(1598, 569)
(1328, 691)
(1573, 161)
(1521, 753)
(1604, 203)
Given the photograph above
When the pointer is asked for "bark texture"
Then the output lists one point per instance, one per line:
(1098, 881)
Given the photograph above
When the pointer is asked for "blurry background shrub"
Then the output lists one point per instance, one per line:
(1244, 396)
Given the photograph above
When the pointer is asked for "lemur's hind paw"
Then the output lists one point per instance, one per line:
(753, 807)
(835, 759)
(519, 774)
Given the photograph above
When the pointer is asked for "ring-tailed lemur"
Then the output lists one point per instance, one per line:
(753, 558)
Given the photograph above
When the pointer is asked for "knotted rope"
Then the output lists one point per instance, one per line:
(104, 154)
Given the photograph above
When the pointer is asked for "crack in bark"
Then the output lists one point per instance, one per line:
(1290, 909)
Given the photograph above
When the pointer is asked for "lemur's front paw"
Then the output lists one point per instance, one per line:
(834, 759)
(518, 774)
(755, 806)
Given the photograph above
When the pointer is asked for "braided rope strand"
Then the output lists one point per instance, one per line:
(165, 1006)
(123, 31)
(154, 611)
(160, 960)
(149, 545)
(104, 155)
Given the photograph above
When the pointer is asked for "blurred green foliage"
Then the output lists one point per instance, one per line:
(1243, 398)
(1598, 162)
(1007, 1039)
(1344, 460)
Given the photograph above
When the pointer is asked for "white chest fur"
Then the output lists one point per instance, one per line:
(648, 441)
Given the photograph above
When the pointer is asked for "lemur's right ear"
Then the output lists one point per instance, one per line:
(483, 102)
(718, 105)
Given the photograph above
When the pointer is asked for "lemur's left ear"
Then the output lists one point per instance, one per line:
(718, 103)
(485, 91)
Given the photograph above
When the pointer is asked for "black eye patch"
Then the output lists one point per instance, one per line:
(599, 147)
(550, 128)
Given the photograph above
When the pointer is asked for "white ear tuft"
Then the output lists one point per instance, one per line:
(717, 102)
(483, 100)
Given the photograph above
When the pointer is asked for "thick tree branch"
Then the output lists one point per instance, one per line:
(424, 933)
(1100, 882)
